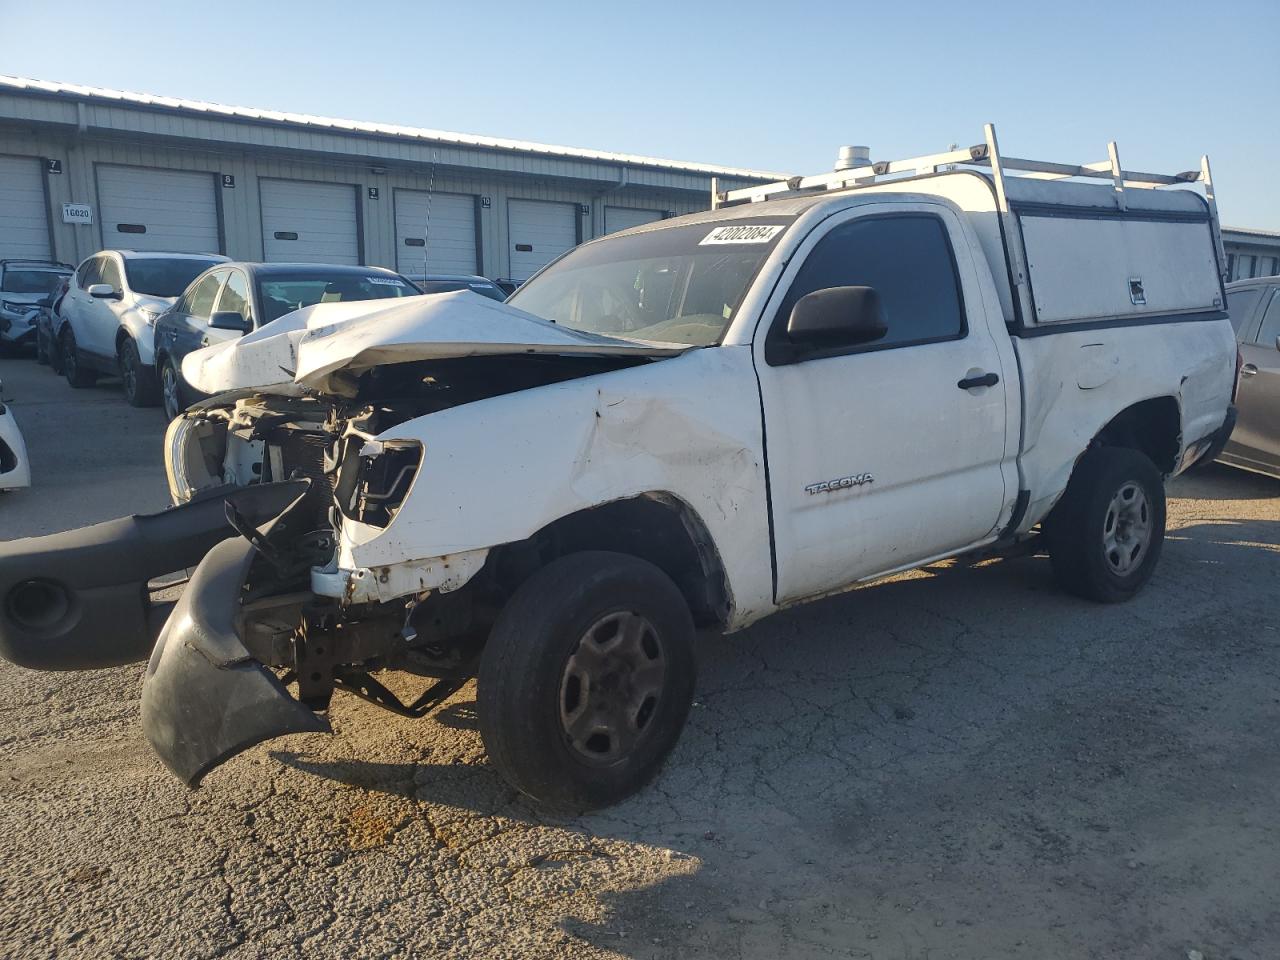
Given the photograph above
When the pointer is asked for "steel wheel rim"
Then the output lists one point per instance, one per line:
(611, 687)
(169, 384)
(1126, 529)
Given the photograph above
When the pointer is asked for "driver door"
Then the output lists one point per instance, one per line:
(887, 453)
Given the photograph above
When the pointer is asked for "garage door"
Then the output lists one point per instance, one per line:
(539, 231)
(435, 232)
(309, 222)
(620, 218)
(24, 225)
(145, 209)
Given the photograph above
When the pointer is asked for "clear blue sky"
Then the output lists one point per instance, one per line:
(776, 86)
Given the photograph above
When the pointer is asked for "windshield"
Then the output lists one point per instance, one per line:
(32, 281)
(158, 277)
(281, 294)
(674, 285)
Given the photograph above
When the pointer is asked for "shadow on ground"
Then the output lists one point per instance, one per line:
(959, 760)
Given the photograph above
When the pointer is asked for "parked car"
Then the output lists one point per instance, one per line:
(696, 423)
(233, 299)
(109, 315)
(448, 282)
(15, 469)
(25, 285)
(1254, 306)
(508, 287)
(47, 324)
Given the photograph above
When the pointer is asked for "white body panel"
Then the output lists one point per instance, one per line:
(1172, 263)
(539, 231)
(435, 233)
(1078, 381)
(309, 222)
(687, 427)
(177, 211)
(24, 226)
(17, 473)
(931, 464)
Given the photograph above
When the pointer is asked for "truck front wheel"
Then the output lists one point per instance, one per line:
(587, 679)
(1106, 532)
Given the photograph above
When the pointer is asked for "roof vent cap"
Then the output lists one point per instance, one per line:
(850, 157)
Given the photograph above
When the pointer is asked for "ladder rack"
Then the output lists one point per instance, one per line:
(987, 155)
(980, 155)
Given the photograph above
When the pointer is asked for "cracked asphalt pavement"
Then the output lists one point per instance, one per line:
(960, 762)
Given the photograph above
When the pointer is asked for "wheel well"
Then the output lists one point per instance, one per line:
(121, 336)
(655, 527)
(1153, 426)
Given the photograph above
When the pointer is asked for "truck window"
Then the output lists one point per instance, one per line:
(907, 258)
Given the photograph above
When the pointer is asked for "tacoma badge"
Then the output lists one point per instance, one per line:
(827, 486)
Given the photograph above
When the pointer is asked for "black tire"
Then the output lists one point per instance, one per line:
(42, 353)
(55, 355)
(140, 386)
(529, 670)
(171, 390)
(78, 376)
(1106, 532)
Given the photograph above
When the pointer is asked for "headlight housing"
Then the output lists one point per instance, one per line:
(150, 315)
(376, 477)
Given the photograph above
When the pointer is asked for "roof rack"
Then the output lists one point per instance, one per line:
(986, 154)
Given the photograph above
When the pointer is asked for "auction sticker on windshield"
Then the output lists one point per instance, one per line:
(385, 281)
(743, 233)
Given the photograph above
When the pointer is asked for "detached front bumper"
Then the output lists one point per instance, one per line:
(79, 600)
(205, 699)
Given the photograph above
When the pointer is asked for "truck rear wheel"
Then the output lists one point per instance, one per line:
(1106, 532)
(587, 679)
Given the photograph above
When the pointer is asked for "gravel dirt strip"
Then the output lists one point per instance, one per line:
(961, 762)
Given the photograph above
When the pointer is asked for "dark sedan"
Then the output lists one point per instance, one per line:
(231, 299)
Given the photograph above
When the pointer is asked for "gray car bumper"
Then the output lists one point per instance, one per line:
(205, 698)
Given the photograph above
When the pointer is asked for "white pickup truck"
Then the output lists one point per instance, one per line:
(694, 423)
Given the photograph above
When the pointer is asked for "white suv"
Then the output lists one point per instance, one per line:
(110, 311)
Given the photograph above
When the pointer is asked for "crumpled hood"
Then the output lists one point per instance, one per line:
(311, 348)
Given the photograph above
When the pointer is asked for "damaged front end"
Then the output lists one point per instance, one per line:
(272, 495)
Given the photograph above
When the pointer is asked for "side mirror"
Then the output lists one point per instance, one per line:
(103, 291)
(230, 320)
(837, 317)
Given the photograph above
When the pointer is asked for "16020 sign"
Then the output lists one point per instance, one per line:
(77, 213)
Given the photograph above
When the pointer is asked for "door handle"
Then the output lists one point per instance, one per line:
(1249, 370)
(982, 380)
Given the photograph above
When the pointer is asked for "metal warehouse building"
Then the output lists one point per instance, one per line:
(1251, 253)
(83, 168)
